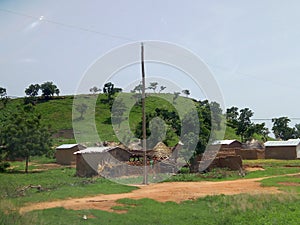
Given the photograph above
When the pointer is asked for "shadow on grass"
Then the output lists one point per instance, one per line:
(23, 172)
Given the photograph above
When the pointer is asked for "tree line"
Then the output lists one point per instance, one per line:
(240, 121)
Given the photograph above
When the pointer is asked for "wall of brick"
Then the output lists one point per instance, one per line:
(279, 152)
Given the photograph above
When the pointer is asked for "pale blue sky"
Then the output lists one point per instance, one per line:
(252, 47)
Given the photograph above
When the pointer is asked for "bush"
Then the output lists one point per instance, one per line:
(4, 166)
(184, 170)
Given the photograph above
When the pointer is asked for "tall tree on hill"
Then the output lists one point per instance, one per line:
(110, 90)
(3, 97)
(162, 88)
(137, 88)
(49, 89)
(117, 112)
(95, 90)
(176, 95)
(23, 134)
(153, 86)
(81, 108)
(186, 92)
(32, 90)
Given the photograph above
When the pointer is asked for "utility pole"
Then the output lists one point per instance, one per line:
(145, 177)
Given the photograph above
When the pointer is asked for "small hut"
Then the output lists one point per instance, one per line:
(64, 154)
(283, 149)
(92, 160)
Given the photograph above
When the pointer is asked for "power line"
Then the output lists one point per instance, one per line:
(42, 19)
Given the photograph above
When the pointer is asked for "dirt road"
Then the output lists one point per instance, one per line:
(162, 192)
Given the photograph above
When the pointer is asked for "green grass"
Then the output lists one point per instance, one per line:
(286, 183)
(60, 183)
(238, 209)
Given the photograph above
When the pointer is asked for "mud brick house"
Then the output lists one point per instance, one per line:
(283, 149)
(91, 161)
(64, 153)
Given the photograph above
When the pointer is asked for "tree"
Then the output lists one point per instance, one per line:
(216, 115)
(33, 90)
(81, 108)
(262, 130)
(118, 110)
(153, 86)
(108, 88)
(2, 92)
(281, 128)
(186, 92)
(176, 95)
(244, 125)
(23, 134)
(232, 117)
(95, 90)
(240, 121)
(162, 88)
(49, 89)
(137, 88)
(57, 91)
(297, 130)
(3, 96)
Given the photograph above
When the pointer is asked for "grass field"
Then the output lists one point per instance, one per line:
(60, 183)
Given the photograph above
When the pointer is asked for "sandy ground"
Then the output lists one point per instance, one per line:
(162, 192)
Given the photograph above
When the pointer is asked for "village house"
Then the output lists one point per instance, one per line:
(92, 160)
(289, 149)
(64, 153)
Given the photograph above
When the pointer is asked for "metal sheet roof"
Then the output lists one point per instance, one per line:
(94, 150)
(291, 142)
(66, 146)
(223, 142)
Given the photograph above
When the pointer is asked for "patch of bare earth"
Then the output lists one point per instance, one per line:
(48, 166)
(253, 168)
(294, 184)
(162, 192)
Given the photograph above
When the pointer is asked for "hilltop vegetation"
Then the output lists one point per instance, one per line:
(57, 114)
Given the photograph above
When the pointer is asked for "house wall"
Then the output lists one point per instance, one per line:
(298, 152)
(120, 154)
(280, 152)
(66, 156)
(83, 169)
(251, 153)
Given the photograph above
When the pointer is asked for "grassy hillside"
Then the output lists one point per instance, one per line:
(57, 113)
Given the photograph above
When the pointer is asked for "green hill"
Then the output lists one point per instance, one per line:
(57, 113)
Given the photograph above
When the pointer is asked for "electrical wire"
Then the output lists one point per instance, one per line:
(68, 25)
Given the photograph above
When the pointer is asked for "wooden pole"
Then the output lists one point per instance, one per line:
(145, 177)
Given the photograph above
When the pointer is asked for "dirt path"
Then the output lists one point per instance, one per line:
(162, 192)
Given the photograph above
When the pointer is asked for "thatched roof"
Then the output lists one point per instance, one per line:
(160, 150)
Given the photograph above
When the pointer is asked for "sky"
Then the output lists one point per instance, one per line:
(251, 47)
